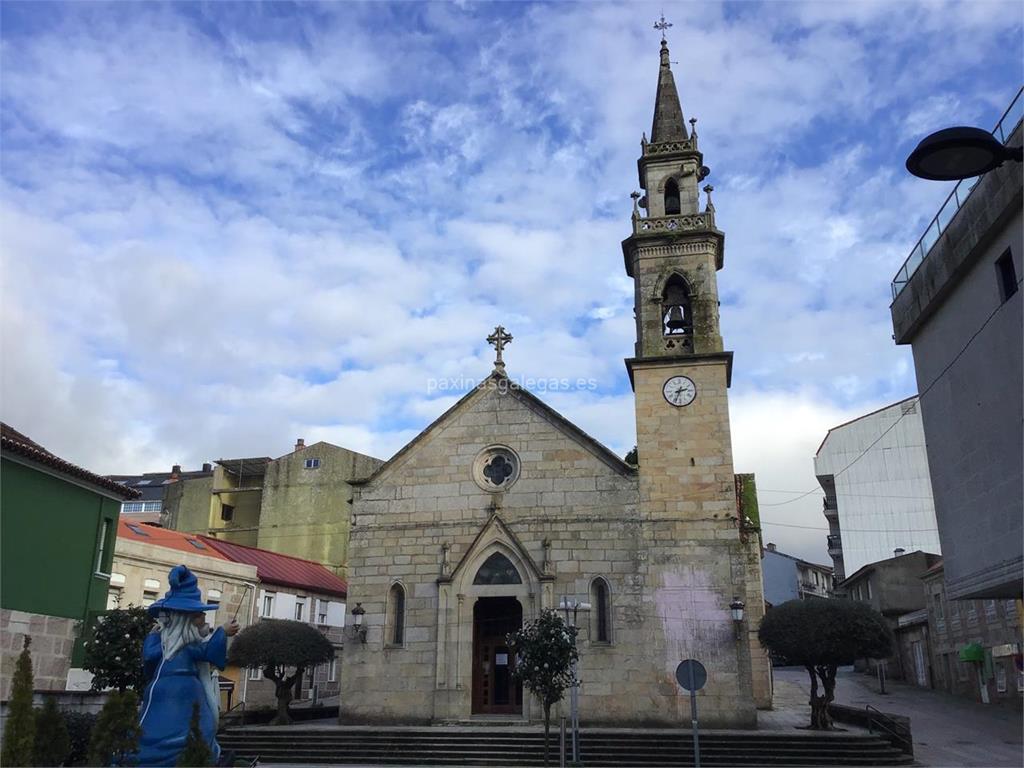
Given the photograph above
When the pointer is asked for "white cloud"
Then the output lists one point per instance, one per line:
(232, 228)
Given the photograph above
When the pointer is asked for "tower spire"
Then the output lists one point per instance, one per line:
(668, 113)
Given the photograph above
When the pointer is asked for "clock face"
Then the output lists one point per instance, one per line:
(680, 391)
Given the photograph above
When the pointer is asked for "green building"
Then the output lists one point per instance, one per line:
(58, 528)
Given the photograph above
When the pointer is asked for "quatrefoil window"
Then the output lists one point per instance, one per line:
(496, 468)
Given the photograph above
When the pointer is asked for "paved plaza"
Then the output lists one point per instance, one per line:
(948, 730)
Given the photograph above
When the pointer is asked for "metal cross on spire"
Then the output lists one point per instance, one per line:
(662, 25)
(498, 340)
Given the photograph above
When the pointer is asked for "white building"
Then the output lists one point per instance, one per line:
(878, 493)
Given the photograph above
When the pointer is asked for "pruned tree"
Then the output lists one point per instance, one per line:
(544, 650)
(113, 649)
(115, 736)
(20, 728)
(283, 650)
(821, 635)
(196, 752)
(53, 743)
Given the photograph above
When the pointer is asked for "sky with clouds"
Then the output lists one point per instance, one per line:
(226, 225)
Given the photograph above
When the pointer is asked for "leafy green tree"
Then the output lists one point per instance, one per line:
(283, 650)
(79, 725)
(113, 650)
(545, 650)
(821, 635)
(53, 743)
(20, 728)
(115, 736)
(196, 752)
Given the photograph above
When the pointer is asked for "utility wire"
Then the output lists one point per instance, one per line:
(920, 396)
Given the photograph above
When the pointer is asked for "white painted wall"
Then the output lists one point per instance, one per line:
(885, 496)
(284, 607)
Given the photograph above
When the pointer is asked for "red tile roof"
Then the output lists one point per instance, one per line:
(283, 570)
(164, 537)
(13, 441)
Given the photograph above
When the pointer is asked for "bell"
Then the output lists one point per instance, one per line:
(675, 323)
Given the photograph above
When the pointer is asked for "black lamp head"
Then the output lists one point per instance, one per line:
(957, 153)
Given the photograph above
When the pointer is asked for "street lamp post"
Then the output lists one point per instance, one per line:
(575, 606)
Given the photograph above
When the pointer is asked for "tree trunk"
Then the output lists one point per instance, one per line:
(283, 689)
(821, 720)
(547, 731)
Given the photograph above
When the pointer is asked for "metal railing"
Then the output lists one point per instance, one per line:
(1004, 129)
(895, 732)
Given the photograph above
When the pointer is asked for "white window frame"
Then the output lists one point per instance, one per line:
(267, 608)
(332, 669)
(101, 550)
(300, 607)
(321, 611)
(118, 594)
(150, 592)
(312, 463)
(255, 673)
(990, 610)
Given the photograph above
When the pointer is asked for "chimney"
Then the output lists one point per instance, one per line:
(898, 551)
(207, 467)
(300, 444)
(175, 471)
(770, 547)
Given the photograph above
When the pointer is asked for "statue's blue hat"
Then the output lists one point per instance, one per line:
(184, 594)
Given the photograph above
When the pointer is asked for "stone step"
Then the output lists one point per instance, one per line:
(599, 748)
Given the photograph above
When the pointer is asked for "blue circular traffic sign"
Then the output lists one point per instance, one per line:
(691, 675)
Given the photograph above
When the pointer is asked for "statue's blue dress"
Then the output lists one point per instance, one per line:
(173, 687)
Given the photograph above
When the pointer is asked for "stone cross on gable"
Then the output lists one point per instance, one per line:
(498, 340)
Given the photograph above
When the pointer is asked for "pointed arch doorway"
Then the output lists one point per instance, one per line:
(495, 691)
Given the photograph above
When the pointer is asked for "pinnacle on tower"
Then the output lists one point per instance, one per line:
(668, 113)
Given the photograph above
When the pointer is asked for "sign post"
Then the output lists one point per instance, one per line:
(691, 676)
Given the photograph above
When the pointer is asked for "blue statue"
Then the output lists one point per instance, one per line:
(180, 661)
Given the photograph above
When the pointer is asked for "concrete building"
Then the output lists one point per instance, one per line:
(961, 630)
(790, 578)
(878, 498)
(502, 507)
(893, 588)
(154, 489)
(299, 504)
(957, 303)
(299, 590)
(57, 535)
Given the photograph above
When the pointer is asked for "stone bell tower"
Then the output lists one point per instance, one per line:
(680, 373)
(706, 555)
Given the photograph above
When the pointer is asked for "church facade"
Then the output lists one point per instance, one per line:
(502, 508)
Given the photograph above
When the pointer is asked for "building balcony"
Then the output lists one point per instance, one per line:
(957, 198)
(667, 225)
(835, 544)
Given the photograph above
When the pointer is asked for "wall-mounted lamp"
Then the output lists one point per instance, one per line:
(358, 630)
(568, 604)
(736, 607)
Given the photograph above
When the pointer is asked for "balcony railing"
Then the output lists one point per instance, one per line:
(1004, 129)
(686, 222)
(834, 541)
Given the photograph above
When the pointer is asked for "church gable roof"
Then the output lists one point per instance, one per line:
(498, 381)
